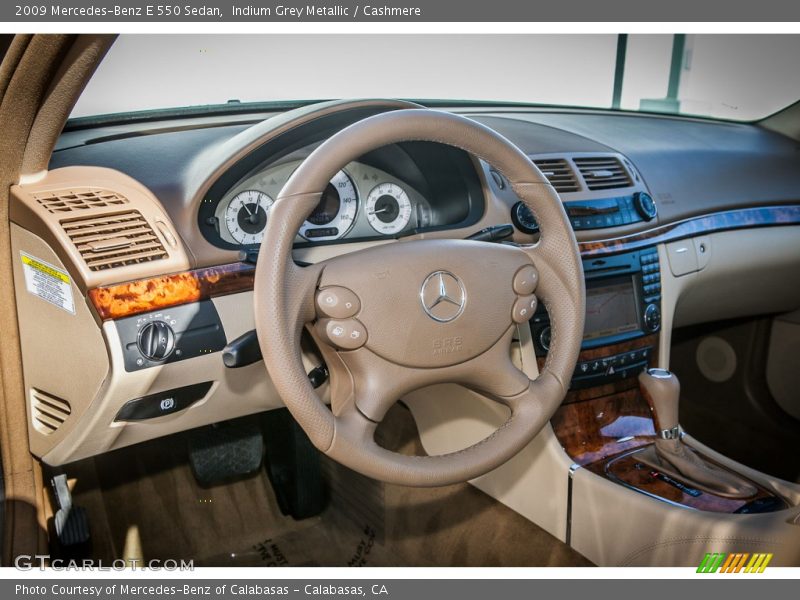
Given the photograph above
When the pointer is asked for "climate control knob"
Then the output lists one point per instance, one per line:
(156, 340)
(645, 205)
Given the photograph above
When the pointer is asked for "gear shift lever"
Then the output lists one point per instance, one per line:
(661, 391)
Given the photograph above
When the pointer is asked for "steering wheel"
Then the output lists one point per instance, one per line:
(401, 316)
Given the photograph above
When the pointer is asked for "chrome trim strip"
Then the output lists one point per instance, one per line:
(670, 434)
(624, 484)
(568, 534)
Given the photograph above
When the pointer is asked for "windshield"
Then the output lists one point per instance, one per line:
(739, 77)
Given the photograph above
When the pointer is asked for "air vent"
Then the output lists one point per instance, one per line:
(79, 199)
(48, 413)
(559, 173)
(114, 240)
(603, 172)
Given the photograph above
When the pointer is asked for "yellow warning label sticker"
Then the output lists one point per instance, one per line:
(48, 282)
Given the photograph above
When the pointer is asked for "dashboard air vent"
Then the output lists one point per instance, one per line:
(603, 172)
(79, 199)
(114, 240)
(559, 173)
(48, 413)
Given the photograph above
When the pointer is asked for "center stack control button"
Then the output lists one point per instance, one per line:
(523, 309)
(347, 334)
(525, 280)
(337, 302)
(652, 317)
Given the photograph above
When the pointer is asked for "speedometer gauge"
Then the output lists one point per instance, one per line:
(246, 216)
(388, 208)
(336, 212)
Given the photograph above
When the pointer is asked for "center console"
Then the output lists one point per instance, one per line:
(606, 423)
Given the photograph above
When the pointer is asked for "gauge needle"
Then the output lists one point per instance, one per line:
(380, 210)
(252, 218)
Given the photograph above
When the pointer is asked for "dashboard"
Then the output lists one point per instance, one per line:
(653, 211)
(186, 199)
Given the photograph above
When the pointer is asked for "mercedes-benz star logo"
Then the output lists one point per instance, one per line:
(443, 296)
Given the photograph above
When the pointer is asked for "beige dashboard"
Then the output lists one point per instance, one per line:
(85, 228)
(74, 366)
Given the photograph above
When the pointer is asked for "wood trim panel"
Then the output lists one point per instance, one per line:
(597, 429)
(604, 434)
(764, 216)
(126, 299)
(628, 471)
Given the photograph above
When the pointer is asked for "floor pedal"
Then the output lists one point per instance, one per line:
(293, 467)
(225, 451)
(71, 522)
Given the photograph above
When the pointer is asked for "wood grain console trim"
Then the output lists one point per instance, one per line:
(764, 216)
(595, 430)
(134, 297)
(628, 471)
(604, 436)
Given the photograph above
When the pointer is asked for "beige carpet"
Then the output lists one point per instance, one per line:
(151, 487)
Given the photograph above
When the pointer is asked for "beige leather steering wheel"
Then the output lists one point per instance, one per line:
(400, 316)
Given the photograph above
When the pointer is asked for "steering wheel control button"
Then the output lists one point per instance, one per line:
(524, 308)
(162, 403)
(525, 280)
(337, 303)
(156, 340)
(347, 334)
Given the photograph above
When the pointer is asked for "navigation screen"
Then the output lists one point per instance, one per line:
(610, 308)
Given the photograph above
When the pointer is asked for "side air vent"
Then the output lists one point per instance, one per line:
(559, 173)
(603, 172)
(48, 413)
(78, 199)
(115, 240)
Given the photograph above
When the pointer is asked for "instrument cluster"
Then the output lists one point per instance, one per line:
(359, 202)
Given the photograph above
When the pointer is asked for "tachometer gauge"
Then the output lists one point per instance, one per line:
(336, 212)
(246, 216)
(388, 208)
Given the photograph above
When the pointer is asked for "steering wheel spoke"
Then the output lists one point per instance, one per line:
(379, 383)
(301, 283)
(494, 373)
